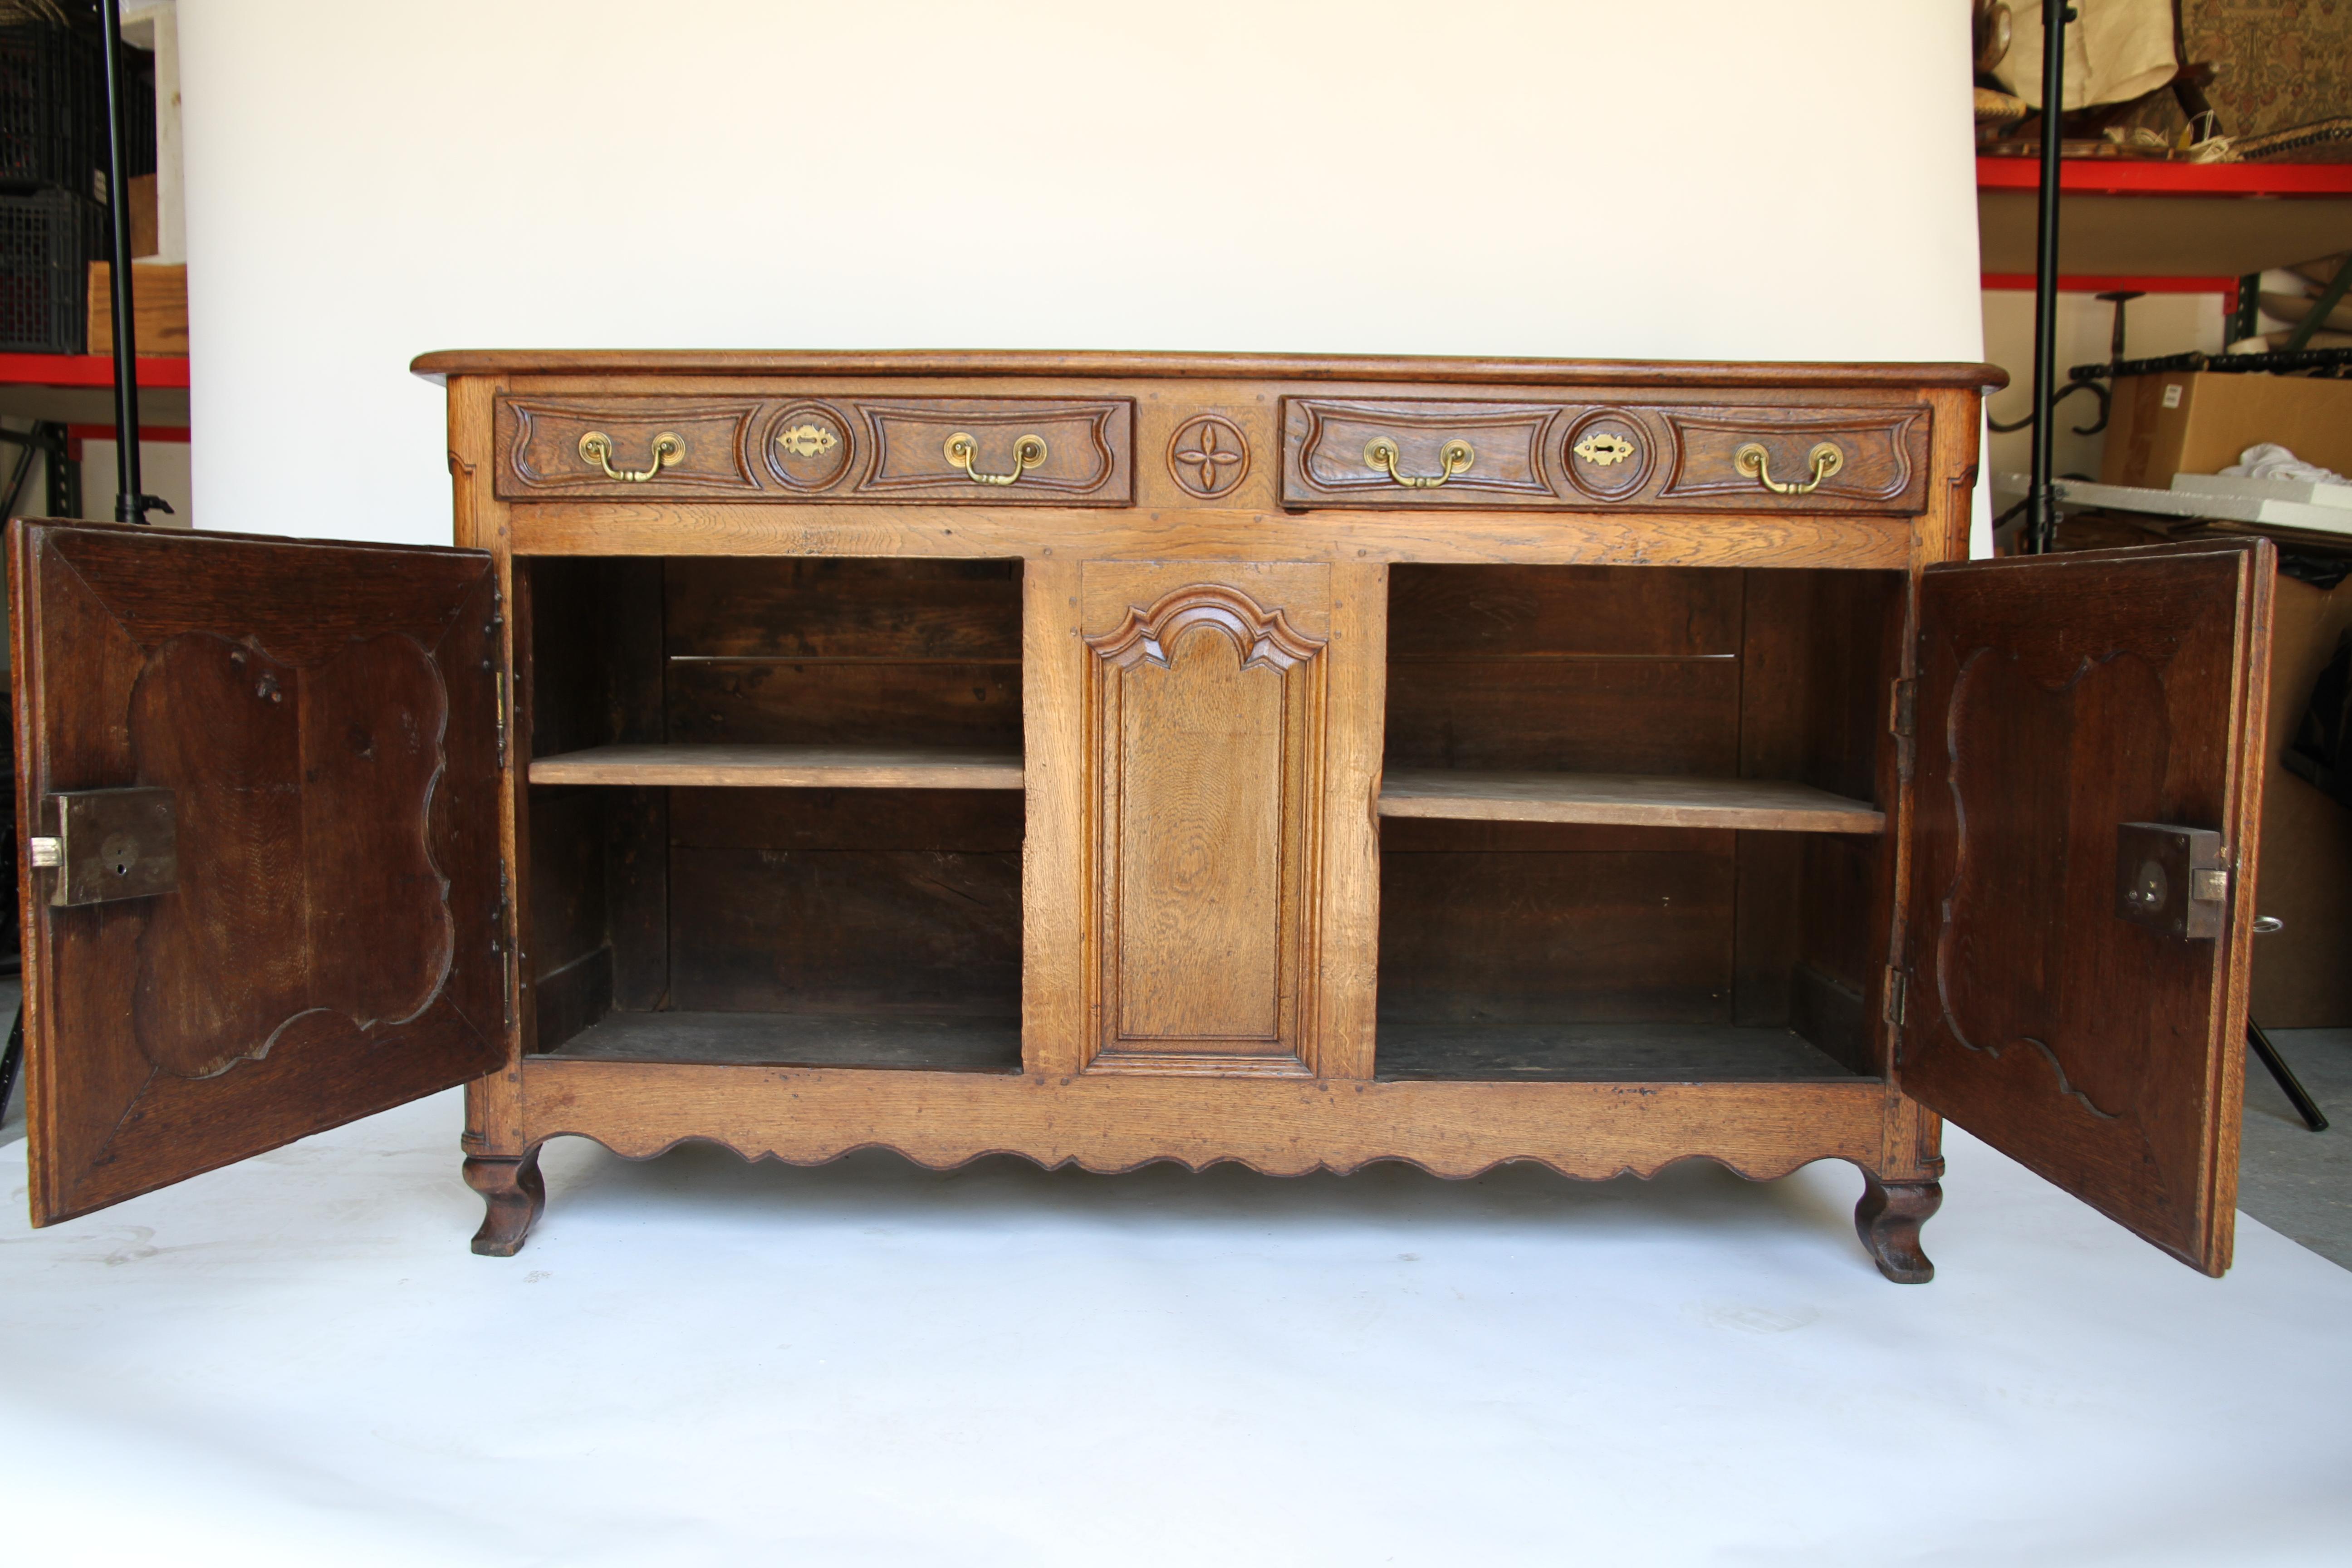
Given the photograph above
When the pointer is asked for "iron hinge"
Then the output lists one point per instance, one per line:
(1905, 719)
(501, 698)
(503, 949)
(1897, 997)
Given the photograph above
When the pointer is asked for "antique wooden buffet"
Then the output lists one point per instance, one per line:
(1110, 758)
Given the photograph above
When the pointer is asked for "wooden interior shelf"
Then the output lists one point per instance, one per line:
(909, 1040)
(1629, 800)
(1604, 1053)
(783, 767)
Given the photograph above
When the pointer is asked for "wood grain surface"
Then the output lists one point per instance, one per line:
(1114, 1122)
(609, 365)
(1206, 709)
(2060, 697)
(1629, 799)
(810, 767)
(325, 718)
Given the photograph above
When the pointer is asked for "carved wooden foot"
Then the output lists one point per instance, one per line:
(514, 1192)
(1888, 1219)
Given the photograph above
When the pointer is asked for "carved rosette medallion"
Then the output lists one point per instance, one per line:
(1607, 455)
(1209, 456)
(808, 447)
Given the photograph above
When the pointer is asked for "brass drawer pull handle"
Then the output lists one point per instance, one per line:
(1752, 461)
(1027, 453)
(1454, 458)
(596, 447)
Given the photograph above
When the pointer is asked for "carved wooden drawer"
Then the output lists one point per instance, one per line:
(1416, 451)
(1003, 451)
(624, 446)
(1439, 453)
(1837, 460)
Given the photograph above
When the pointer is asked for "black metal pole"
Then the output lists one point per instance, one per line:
(130, 501)
(2041, 506)
(2292, 1086)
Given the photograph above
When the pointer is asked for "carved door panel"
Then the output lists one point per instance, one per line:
(2090, 746)
(267, 773)
(1223, 905)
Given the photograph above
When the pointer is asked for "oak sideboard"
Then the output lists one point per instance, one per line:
(1105, 758)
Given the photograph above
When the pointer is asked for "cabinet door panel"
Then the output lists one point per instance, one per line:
(1205, 737)
(322, 721)
(2061, 699)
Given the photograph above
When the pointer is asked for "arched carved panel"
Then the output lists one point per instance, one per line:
(1206, 734)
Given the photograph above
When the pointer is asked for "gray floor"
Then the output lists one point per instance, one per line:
(2297, 1182)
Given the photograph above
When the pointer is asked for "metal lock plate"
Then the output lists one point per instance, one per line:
(110, 844)
(2172, 879)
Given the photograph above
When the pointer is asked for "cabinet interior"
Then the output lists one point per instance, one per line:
(1675, 937)
(1629, 819)
(811, 921)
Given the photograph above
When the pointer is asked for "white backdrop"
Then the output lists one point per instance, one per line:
(1682, 178)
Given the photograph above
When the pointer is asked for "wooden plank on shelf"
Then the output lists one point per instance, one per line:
(783, 767)
(159, 304)
(1633, 800)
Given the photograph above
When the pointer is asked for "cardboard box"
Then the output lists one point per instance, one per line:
(2199, 422)
(2303, 976)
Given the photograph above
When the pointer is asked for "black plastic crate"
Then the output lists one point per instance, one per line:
(53, 108)
(47, 240)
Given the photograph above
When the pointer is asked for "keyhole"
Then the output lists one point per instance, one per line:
(268, 687)
(119, 853)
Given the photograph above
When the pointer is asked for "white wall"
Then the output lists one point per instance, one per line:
(1681, 178)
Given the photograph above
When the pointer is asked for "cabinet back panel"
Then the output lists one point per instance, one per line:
(595, 631)
(568, 918)
(1630, 934)
(783, 651)
(1468, 612)
(967, 611)
(849, 704)
(965, 821)
(796, 900)
(1604, 715)
(787, 930)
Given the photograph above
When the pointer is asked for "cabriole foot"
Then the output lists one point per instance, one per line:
(514, 1192)
(1888, 1219)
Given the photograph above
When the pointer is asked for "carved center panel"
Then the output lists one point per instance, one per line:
(2006, 987)
(1207, 720)
(289, 903)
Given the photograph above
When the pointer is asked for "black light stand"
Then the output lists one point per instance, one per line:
(2040, 504)
(131, 503)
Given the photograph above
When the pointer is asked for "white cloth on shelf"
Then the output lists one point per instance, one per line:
(2115, 51)
(2269, 460)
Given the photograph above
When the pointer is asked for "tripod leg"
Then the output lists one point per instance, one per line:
(2306, 1106)
(11, 1059)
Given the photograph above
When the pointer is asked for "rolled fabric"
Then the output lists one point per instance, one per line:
(2269, 460)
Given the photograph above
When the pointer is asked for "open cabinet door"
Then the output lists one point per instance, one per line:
(262, 775)
(2090, 747)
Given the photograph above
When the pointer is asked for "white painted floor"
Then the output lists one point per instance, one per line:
(297, 1360)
